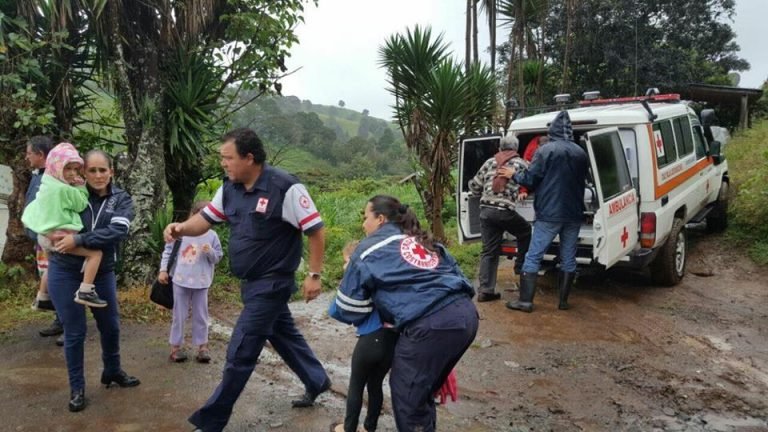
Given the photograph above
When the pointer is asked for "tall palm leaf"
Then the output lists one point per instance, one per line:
(433, 100)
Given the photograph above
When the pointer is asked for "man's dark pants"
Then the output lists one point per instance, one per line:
(493, 223)
(265, 317)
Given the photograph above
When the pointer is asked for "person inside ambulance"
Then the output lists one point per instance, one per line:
(557, 176)
(415, 284)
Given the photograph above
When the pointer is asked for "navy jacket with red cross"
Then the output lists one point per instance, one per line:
(266, 223)
(404, 281)
(106, 222)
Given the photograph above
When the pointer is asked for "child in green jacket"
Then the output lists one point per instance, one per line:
(56, 212)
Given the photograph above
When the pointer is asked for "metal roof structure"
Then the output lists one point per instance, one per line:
(736, 98)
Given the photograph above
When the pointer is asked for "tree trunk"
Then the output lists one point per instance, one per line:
(468, 38)
(492, 31)
(569, 24)
(18, 247)
(145, 181)
(542, 56)
(476, 54)
(144, 178)
(510, 80)
(521, 30)
(183, 186)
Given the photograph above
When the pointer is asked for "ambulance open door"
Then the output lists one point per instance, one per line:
(473, 152)
(615, 225)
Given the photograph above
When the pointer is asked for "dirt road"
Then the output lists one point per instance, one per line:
(628, 356)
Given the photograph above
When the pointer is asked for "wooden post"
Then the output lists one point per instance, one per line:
(744, 112)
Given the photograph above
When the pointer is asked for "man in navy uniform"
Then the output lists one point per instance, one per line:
(268, 210)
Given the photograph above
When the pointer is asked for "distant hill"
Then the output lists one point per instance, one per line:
(300, 134)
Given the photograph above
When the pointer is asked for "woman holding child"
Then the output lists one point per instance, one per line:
(106, 220)
(417, 286)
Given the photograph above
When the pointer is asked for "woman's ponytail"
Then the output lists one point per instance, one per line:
(403, 216)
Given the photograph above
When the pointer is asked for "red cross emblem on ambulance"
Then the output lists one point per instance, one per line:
(624, 237)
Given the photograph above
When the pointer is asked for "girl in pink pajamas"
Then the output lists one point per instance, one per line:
(192, 275)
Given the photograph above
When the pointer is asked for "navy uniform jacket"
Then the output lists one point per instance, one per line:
(106, 221)
(404, 280)
(34, 186)
(557, 175)
(266, 224)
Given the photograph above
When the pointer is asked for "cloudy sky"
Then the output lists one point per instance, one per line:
(339, 42)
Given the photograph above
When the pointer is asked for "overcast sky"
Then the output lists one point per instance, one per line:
(339, 42)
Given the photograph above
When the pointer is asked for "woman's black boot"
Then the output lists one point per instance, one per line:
(77, 400)
(121, 378)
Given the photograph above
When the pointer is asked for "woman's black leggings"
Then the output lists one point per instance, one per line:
(371, 361)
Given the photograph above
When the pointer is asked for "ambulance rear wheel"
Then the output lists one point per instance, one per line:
(668, 268)
(717, 219)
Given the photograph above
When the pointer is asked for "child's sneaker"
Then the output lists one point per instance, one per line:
(89, 298)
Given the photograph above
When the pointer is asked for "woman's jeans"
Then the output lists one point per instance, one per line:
(543, 235)
(63, 282)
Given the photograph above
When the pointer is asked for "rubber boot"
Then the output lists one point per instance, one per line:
(527, 290)
(564, 284)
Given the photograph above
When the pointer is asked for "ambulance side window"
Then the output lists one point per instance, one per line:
(698, 140)
(611, 165)
(666, 153)
(683, 135)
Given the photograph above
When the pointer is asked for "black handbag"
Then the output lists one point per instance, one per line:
(161, 293)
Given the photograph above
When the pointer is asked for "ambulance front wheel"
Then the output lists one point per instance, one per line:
(668, 268)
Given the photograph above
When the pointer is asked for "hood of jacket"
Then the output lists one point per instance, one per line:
(561, 128)
(61, 155)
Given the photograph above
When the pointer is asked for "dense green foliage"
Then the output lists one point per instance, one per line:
(620, 47)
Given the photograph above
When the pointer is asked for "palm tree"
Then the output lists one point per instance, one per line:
(434, 102)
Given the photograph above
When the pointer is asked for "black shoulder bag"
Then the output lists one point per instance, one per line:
(161, 293)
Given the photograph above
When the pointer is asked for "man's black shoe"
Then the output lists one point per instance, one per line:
(54, 329)
(308, 399)
(486, 297)
(77, 400)
(121, 378)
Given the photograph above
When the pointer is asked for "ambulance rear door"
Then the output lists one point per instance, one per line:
(615, 224)
(473, 152)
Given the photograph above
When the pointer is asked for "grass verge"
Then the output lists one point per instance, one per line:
(747, 155)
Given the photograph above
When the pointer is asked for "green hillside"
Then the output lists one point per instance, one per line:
(313, 138)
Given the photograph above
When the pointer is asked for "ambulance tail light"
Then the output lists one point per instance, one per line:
(647, 230)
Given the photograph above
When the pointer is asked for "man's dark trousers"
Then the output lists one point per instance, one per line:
(265, 317)
(493, 223)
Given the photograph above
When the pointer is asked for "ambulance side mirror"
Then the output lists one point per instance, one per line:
(715, 148)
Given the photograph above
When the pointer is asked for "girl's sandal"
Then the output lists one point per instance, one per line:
(178, 356)
(203, 356)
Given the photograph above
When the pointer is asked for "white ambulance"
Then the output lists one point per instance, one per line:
(655, 167)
